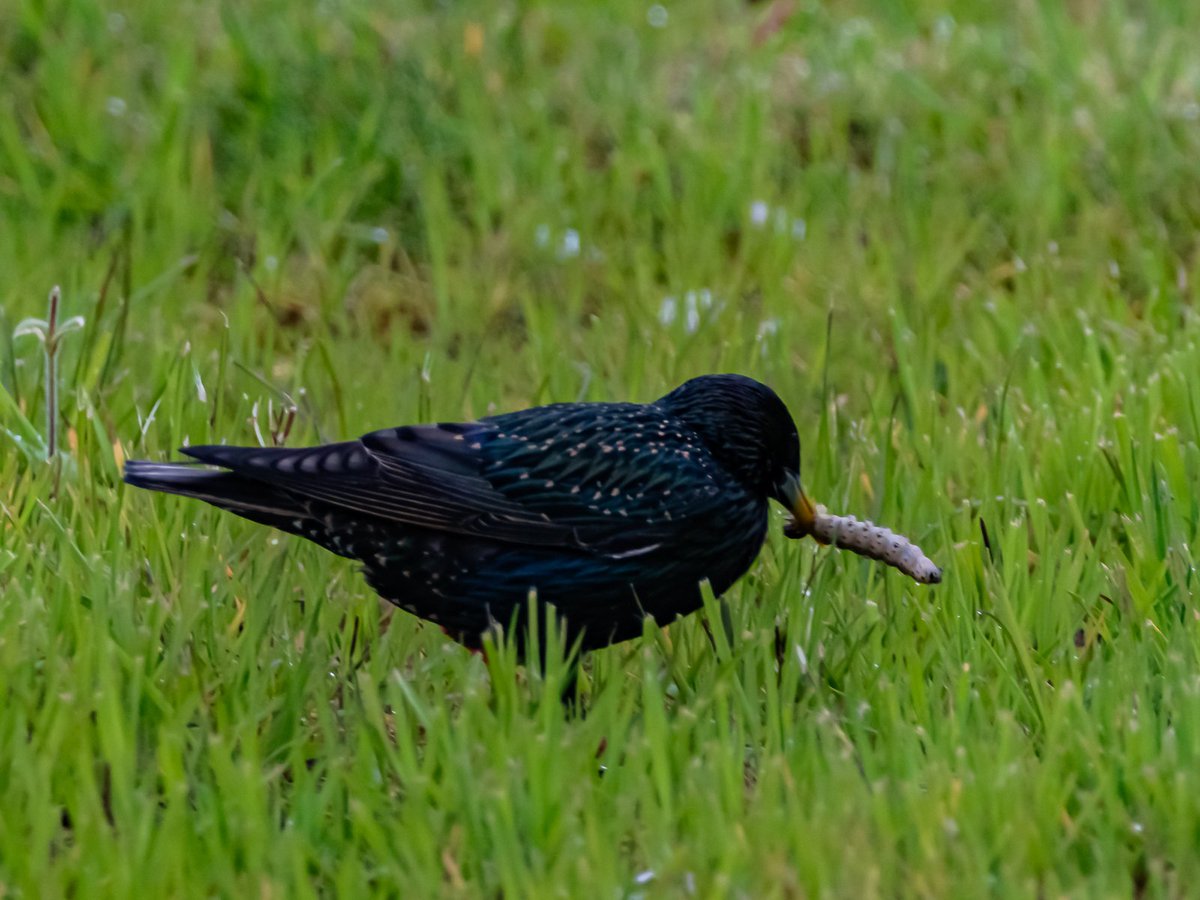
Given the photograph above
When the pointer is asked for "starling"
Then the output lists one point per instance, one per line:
(610, 512)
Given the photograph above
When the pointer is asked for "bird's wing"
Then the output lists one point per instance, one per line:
(625, 477)
(410, 475)
(613, 478)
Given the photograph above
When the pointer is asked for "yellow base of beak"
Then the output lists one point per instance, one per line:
(804, 515)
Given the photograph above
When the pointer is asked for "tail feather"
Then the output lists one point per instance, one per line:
(244, 496)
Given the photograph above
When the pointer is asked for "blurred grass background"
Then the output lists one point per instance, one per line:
(960, 239)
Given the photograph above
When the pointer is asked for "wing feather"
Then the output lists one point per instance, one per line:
(616, 479)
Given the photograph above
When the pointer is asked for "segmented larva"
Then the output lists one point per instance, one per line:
(872, 541)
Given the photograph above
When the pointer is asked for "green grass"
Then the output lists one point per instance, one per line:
(976, 288)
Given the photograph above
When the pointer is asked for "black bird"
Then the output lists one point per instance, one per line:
(608, 511)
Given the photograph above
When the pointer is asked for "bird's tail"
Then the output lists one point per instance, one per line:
(230, 491)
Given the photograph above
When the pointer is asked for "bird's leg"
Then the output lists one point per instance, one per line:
(568, 694)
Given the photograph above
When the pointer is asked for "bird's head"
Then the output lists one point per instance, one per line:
(745, 425)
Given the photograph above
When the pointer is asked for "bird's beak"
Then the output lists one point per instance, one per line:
(804, 513)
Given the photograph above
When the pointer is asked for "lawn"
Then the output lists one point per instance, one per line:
(961, 240)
